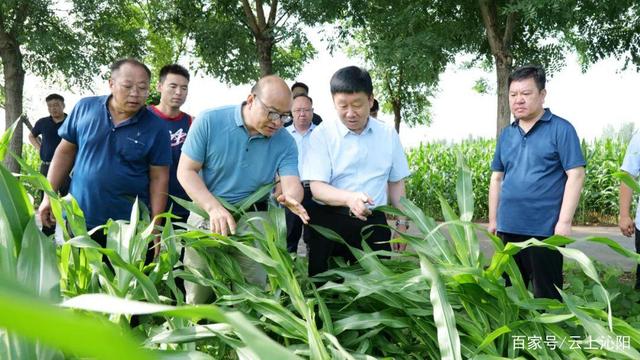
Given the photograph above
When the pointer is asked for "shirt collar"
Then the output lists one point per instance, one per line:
(131, 120)
(293, 128)
(546, 116)
(344, 130)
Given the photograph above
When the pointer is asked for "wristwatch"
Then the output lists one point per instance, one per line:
(402, 222)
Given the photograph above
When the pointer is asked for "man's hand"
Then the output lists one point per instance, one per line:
(627, 226)
(294, 206)
(221, 222)
(358, 205)
(562, 228)
(46, 216)
(492, 228)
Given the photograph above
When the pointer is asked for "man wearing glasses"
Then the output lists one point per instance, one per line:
(229, 153)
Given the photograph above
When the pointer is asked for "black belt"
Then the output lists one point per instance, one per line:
(306, 184)
(340, 210)
(46, 162)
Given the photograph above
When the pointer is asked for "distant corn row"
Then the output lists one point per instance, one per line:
(433, 167)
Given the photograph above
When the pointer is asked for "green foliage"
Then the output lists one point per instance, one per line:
(440, 300)
(231, 41)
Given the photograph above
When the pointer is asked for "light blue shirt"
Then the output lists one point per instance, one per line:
(302, 142)
(234, 164)
(631, 164)
(356, 162)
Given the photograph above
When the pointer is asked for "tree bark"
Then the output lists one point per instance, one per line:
(14, 84)
(264, 44)
(499, 38)
(397, 114)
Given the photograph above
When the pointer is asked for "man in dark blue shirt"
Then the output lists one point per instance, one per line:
(173, 86)
(47, 128)
(118, 151)
(538, 172)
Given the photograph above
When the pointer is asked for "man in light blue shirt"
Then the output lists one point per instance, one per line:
(628, 227)
(230, 152)
(358, 163)
(301, 131)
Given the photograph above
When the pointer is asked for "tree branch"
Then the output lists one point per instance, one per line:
(273, 11)
(262, 23)
(508, 30)
(251, 19)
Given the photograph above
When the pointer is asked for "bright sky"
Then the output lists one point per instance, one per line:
(603, 95)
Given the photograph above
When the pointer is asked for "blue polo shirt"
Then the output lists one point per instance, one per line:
(112, 162)
(234, 164)
(534, 166)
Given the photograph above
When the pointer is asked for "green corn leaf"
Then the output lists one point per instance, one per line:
(63, 329)
(443, 315)
(38, 264)
(628, 180)
(15, 212)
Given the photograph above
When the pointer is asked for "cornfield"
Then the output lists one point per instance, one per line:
(441, 300)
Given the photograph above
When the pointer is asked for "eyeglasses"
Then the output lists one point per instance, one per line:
(274, 115)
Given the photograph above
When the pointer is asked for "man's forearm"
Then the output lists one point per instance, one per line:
(572, 189)
(291, 187)
(396, 191)
(330, 195)
(494, 197)
(193, 184)
(624, 202)
(60, 168)
(158, 189)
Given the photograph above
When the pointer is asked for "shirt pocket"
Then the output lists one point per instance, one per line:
(132, 150)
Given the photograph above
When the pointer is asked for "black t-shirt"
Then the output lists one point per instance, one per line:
(50, 138)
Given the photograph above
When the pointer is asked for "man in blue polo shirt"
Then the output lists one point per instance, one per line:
(538, 172)
(230, 152)
(118, 151)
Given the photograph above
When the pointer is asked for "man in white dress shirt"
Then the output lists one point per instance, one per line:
(302, 111)
(358, 163)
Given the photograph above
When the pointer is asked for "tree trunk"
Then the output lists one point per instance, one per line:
(397, 114)
(14, 84)
(264, 43)
(504, 113)
(499, 33)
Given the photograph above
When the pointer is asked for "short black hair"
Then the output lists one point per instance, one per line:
(135, 62)
(173, 69)
(535, 72)
(351, 80)
(303, 95)
(52, 97)
(375, 107)
(300, 84)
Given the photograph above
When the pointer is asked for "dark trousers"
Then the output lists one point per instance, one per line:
(64, 189)
(638, 267)
(295, 225)
(337, 219)
(538, 265)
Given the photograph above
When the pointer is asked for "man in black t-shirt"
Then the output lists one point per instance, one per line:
(44, 137)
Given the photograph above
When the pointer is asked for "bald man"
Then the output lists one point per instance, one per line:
(229, 153)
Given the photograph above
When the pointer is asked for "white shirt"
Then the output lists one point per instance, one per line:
(302, 142)
(356, 162)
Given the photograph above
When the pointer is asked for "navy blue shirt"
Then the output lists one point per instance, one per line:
(534, 166)
(178, 128)
(112, 162)
(48, 128)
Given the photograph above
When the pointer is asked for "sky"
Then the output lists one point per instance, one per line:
(590, 101)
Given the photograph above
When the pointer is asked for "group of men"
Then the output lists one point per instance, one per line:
(227, 154)
(330, 173)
